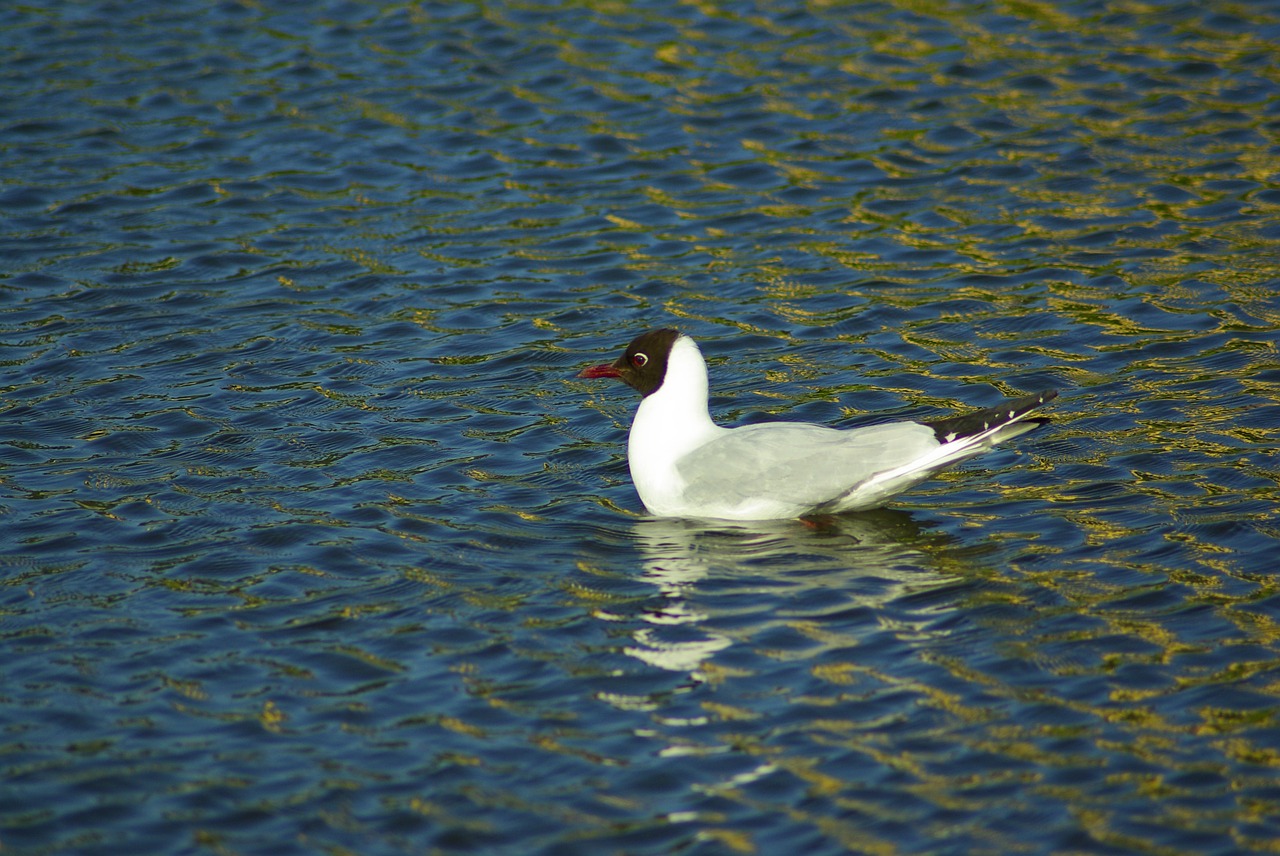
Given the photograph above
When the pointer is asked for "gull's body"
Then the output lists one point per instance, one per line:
(684, 465)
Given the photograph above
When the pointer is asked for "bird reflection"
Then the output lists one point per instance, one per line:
(874, 557)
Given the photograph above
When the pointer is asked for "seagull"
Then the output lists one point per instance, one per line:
(685, 465)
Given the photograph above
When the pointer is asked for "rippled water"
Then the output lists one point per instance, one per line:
(312, 542)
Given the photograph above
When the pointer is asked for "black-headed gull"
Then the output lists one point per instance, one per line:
(685, 465)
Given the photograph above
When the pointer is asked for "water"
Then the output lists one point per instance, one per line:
(312, 542)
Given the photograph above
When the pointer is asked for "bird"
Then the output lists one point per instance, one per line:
(685, 465)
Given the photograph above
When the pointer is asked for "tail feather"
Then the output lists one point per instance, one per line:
(955, 428)
(959, 438)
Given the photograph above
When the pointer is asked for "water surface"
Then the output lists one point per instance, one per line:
(313, 543)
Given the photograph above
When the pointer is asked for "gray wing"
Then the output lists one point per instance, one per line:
(807, 465)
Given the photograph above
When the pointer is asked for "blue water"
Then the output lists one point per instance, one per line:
(312, 542)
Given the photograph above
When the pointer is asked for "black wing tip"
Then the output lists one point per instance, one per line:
(966, 425)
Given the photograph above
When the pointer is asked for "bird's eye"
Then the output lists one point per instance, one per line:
(639, 360)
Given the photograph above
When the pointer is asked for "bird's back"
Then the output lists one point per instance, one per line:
(786, 469)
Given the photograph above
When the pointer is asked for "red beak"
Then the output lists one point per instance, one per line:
(606, 370)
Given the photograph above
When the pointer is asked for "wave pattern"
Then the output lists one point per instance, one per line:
(311, 538)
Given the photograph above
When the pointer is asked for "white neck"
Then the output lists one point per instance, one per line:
(670, 423)
(679, 407)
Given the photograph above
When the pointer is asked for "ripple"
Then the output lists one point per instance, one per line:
(294, 466)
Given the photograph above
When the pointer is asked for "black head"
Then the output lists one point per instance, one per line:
(644, 364)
